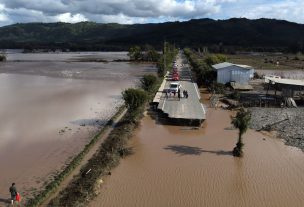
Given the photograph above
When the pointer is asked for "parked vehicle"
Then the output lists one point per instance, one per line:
(175, 86)
(175, 77)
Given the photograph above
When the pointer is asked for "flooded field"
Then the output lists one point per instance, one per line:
(180, 166)
(50, 108)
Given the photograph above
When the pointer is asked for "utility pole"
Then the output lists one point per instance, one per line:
(165, 56)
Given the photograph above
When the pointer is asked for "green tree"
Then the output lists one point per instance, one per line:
(152, 55)
(134, 98)
(241, 122)
(135, 53)
(148, 82)
(214, 59)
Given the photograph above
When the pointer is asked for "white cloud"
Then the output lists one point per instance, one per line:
(288, 10)
(142, 11)
(121, 11)
(68, 17)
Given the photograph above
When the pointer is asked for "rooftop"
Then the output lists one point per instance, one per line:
(285, 81)
(227, 64)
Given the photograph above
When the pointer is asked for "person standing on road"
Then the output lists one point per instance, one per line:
(179, 94)
(13, 192)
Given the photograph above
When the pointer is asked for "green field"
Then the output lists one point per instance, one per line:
(269, 61)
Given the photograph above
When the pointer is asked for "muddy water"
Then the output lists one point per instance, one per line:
(47, 119)
(177, 166)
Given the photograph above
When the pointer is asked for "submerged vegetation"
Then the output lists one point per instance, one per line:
(241, 122)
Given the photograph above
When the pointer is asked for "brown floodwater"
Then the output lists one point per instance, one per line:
(46, 117)
(180, 166)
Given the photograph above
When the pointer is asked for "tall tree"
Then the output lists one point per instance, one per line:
(241, 122)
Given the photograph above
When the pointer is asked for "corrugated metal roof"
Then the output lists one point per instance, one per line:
(286, 81)
(227, 64)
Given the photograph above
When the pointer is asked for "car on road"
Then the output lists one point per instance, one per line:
(174, 87)
(175, 77)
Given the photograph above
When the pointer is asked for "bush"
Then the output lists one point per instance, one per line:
(134, 98)
(235, 95)
(217, 88)
(148, 82)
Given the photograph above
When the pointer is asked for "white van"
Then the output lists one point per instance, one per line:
(174, 86)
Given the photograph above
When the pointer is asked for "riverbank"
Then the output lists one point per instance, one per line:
(288, 123)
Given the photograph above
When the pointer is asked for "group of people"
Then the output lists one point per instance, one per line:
(185, 94)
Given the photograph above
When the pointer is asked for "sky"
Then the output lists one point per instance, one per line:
(145, 11)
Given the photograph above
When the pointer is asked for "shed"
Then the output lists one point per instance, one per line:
(290, 88)
(228, 72)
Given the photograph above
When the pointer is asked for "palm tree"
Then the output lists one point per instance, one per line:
(240, 121)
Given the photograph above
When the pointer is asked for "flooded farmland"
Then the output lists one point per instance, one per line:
(180, 166)
(51, 105)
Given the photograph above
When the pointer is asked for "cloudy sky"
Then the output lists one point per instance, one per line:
(144, 11)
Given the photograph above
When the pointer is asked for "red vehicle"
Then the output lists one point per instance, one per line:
(175, 72)
(175, 77)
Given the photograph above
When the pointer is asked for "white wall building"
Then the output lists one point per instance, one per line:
(227, 72)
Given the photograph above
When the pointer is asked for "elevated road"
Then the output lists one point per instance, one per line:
(182, 108)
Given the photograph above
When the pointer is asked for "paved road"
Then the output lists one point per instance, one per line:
(184, 108)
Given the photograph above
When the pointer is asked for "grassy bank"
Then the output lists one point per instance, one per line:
(53, 185)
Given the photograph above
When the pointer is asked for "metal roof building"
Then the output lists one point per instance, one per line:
(228, 72)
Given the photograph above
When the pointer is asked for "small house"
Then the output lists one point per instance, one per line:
(229, 72)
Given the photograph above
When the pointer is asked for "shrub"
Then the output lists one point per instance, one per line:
(148, 82)
(134, 98)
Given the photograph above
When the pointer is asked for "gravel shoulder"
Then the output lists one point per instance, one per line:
(288, 122)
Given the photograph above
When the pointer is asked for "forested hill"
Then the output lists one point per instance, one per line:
(234, 33)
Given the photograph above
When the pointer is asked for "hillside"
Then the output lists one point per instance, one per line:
(261, 34)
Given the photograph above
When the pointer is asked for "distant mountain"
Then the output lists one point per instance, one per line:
(260, 34)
